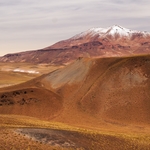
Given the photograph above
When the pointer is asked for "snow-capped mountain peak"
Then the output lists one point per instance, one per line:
(119, 30)
(112, 31)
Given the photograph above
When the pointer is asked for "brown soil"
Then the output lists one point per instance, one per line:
(40, 139)
(102, 93)
(103, 90)
(10, 140)
(112, 90)
(9, 77)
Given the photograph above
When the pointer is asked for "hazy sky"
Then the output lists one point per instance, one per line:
(34, 24)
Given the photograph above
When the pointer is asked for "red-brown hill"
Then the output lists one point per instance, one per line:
(89, 92)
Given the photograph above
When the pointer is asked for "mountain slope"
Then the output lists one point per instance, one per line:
(89, 92)
(114, 90)
(114, 33)
(95, 42)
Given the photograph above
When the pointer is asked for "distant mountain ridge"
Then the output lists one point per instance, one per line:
(113, 33)
(95, 42)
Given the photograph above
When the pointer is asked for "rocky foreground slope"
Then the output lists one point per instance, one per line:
(89, 92)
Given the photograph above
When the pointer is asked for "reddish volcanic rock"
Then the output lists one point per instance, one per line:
(95, 42)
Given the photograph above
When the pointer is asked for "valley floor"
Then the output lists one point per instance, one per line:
(16, 73)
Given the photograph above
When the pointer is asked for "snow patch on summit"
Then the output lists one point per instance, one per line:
(119, 30)
(114, 30)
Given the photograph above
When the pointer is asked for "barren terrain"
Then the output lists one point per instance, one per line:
(15, 73)
(20, 132)
(99, 103)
